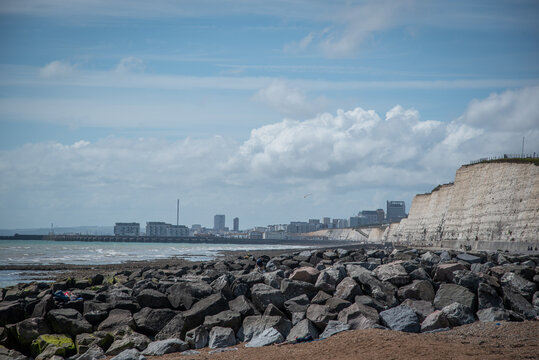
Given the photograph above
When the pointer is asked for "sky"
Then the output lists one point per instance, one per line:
(112, 110)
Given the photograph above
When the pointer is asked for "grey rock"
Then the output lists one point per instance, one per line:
(320, 298)
(303, 329)
(227, 318)
(430, 258)
(306, 273)
(28, 330)
(395, 273)
(129, 354)
(320, 315)
(198, 337)
(401, 318)
(418, 289)
(329, 278)
(444, 272)
(256, 324)
(420, 274)
(272, 310)
(263, 295)
(293, 288)
(449, 293)
(117, 318)
(190, 352)
(269, 336)
(469, 258)
(458, 314)
(130, 341)
(150, 321)
(336, 304)
(296, 317)
(297, 304)
(242, 305)
(223, 284)
(369, 301)
(468, 279)
(183, 295)
(518, 304)
(168, 346)
(93, 353)
(347, 289)
(487, 297)
(10, 354)
(518, 285)
(221, 337)
(153, 299)
(210, 305)
(421, 307)
(175, 328)
(334, 327)
(68, 321)
(435, 320)
(493, 314)
(356, 310)
(273, 278)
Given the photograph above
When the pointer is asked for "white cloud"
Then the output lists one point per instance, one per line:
(57, 69)
(289, 100)
(130, 64)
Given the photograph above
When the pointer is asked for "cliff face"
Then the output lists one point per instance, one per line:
(490, 206)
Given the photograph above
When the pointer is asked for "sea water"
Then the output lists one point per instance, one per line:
(48, 252)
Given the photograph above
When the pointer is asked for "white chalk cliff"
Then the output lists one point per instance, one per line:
(490, 206)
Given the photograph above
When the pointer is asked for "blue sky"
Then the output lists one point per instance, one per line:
(109, 111)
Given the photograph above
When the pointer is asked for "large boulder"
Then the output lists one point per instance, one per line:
(493, 314)
(450, 293)
(401, 318)
(293, 288)
(153, 299)
(320, 315)
(297, 304)
(63, 345)
(418, 289)
(255, 325)
(444, 272)
(131, 340)
(518, 304)
(150, 321)
(434, 321)
(421, 307)
(221, 337)
(348, 289)
(129, 354)
(471, 259)
(227, 318)
(468, 279)
(184, 294)
(305, 273)
(377, 289)
(269, 336)
(458, 314)
(263, 295)
(68, 321)
(302, 330)
(117, 318)
(162, 347)
(329, 278)
(242, 305)
(223, 284)
(175, 328)
(394, 272)
(355, 311)
(11, 312)
(198, 337)
(28, 330)
(334, 327)
(487, 297)
(210, 305)
(336, 304)
(518, 285)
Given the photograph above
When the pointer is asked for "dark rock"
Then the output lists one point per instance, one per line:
(28, 330)
(242, 305)
(421, 307)
(223, 284)
(469, 258)
(320, 298)
(369, 301)
(329, 278)
(293, 288)
(449, 293)
(269, 336)
(303, 329)
(430, 258)
(274, 278)
(251, 278)
(129, 354)
(518, 285)
(198, 337)
(335, 304)
(210, 305)
(487, 297)
(348, 289)
(227, 318)
(493, 314)
(418, 289)
(175, 328)
(93, 353)
(68, 321)
(45, 305)
(131, 340)
(320, 315)
(518, 304)
(381, 291)
(263, 295)
(11, 312)
(296, 317)
(96, 317)
(272, 310)
(183, 295)
(306, 273)
(152, 299)
(420, 274)
(334, 327)
(117, 318)
(458, 314)
(150, 321)
(297, 304)
(434, 321)
(162, 347)
(401, 318)
(468, 279)
(221, 337)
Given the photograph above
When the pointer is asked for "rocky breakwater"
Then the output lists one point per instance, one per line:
(490, 206)
(301, 296)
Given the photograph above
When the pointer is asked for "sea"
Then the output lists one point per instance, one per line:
(48, 252)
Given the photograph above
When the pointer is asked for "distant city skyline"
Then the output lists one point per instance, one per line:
(267, 111)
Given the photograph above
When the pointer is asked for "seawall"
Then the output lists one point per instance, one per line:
(490, 206)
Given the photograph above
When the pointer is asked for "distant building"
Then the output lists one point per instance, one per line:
(381, 215)
(127, 229)
(219, 222)
(297, 227)
(255, 235)
(236, 226)
(396, 210)
(355, 221)
(340, 223)
(177, 230)
(326, 221)
(156, 228)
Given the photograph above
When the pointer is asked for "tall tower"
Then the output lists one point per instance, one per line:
(178, 212)
(236, 224)
(218, 222)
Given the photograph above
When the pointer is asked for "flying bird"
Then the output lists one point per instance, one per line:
(305, 196)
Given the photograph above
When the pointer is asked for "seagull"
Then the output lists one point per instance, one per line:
(305, 196)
